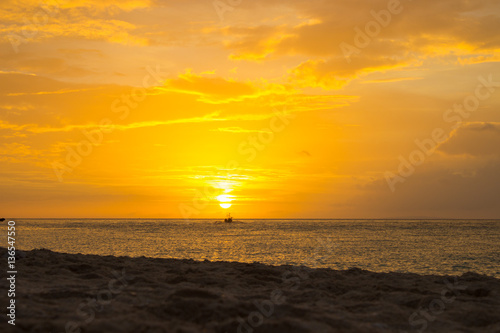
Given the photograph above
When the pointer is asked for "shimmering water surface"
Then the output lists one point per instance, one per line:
(419, 246)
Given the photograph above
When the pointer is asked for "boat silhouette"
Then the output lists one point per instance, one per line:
(228, 218)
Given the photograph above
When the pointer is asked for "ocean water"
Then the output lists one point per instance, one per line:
(419, 246)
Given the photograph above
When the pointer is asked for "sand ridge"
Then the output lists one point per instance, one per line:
(87, 293)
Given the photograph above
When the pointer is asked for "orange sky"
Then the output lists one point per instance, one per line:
(285, 108)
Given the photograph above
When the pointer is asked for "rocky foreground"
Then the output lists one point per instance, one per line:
(57, 292)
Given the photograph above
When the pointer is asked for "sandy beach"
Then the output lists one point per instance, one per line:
(58, 292)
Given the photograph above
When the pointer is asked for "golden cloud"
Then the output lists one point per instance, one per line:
(218, 90)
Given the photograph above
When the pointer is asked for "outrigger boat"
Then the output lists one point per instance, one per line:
(229, 218)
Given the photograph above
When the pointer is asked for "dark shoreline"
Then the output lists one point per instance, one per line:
(57, 292)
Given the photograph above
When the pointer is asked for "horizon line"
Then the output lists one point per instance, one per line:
(253, 218)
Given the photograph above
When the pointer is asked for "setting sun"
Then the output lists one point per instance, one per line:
(225, 200)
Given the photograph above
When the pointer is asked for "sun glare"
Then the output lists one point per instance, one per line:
(225, 200)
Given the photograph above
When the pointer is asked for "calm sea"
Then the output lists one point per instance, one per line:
(419, 246)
